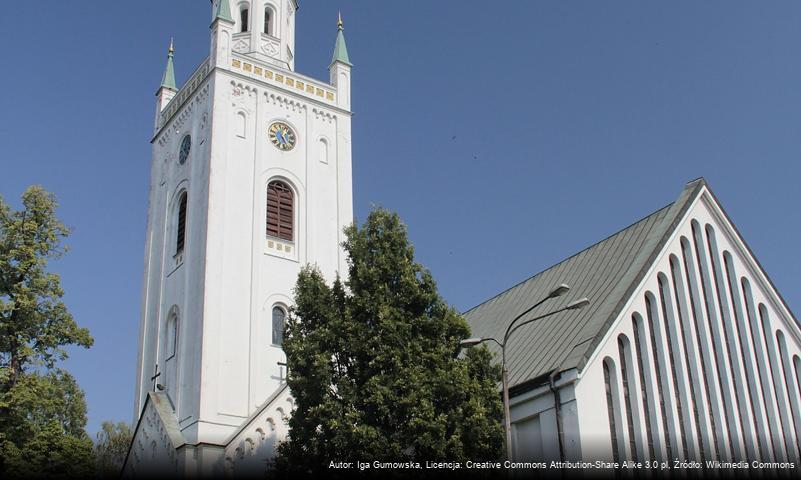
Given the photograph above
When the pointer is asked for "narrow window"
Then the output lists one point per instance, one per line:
(728, 323)
(695, 301)
(766, 399)
(773, 366)
(652, 315)
(636, 322)
(243, 18)
(172, 335)
(268, 21)
(610, 410)
(280, 211)
(623, 351)
(664, 296)
(181, 230)
(279, 318)
(787, 370)
(711, 323)
(797, 366)
(742, 329)
(679, 292)
(323, 144)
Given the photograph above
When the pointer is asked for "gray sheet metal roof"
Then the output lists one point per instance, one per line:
(607, 273)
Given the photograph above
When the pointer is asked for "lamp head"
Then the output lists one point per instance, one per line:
(581, 303)
(470, 342)
(559, 291)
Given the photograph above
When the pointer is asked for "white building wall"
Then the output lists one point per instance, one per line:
(230, 275)
(736, 389)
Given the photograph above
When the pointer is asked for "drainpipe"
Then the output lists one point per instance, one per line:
(557, 403)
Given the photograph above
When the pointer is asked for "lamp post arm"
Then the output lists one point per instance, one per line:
(492, 340)
(509, 328)
(535, 319)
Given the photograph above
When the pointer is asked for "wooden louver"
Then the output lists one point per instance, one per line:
(280, 211)
(181, 230)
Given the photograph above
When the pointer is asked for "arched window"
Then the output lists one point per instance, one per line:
(625, 372)
(172, 335)
(243, 19)
(279, 319)
(268, 19)
(180, 239)
(639, 341)
(610, 388)
(653, 318)
(280, 210)
(323, 144)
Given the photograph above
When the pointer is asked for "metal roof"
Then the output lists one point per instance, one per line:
(607, 273)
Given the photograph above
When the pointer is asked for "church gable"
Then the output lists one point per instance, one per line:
(702, 361)
(606, 273)
(156, 439)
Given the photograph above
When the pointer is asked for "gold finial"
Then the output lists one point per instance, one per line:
(340, 25)
(172, 47)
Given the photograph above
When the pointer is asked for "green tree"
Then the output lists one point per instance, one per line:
(375, 366)
(111, 447)
(42, 409)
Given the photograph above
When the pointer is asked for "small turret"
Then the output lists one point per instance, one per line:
(339, 70)
(168, 79)
(340, 48)
(222, 29)
(168, 88)
(223, 11)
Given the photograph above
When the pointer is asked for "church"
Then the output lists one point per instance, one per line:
(685, 351)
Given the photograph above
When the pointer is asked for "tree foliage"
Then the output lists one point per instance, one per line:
(375, 367)
(111, 447)
(42, 409)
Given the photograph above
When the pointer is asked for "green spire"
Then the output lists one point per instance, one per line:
(168, 80)
(223, 11)
(341, 50)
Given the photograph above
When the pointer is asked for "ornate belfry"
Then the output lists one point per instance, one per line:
(250, 180)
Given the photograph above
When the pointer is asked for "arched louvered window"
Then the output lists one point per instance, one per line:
(280, 211)
(180, 239)
(279, 319)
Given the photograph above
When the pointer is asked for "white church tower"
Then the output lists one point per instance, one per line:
(250, 180)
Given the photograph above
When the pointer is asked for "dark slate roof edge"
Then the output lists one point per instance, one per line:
(566, 259)
(682, 204)
(754, 257)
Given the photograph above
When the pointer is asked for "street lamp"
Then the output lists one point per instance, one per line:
(470, 342)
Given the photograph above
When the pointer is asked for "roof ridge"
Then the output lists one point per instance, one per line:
(609, 237)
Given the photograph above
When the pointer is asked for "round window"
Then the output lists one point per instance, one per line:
(186, 146)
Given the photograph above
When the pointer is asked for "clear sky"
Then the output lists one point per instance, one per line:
(508, 135)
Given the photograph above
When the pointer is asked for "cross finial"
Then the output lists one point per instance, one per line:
(340, 24)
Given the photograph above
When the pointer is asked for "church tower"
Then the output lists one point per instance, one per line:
(250, 180)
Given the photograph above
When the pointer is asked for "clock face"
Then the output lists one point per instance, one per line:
(282, 136)
(183, 153)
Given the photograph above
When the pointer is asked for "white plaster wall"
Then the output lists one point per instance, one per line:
(230, 273)
(170, 280)
(245, 278)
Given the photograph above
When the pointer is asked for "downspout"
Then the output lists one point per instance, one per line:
(557, 403)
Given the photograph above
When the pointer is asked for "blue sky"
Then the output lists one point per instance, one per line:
(508, 135)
